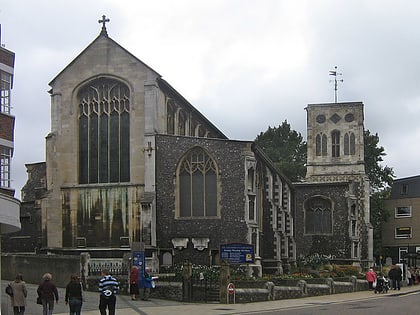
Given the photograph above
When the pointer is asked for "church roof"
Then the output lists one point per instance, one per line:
(102, 34)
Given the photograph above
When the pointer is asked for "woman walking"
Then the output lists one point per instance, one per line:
(47, 291)
(74, 295)
(20, 293)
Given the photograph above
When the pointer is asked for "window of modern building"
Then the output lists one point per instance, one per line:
(403, 212)
(402, 252)
(104, 132)
(5, 157)
(403, 232)
(335, 143)
(318, 216)
(5, 87)
(349, 143)
(404, 189)
(198, 176)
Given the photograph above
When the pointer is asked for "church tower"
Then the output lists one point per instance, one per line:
(335, 141)
(333, 201)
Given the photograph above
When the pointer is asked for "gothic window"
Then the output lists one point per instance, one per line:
(321, 145)
(5, 87)
(170, 115)
(335, 143)
(349, 143)
(104, 132)
(181, 122)
(197, 177)
(318, 216)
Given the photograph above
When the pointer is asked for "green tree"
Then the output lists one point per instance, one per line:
(286, 148)
(380, 177)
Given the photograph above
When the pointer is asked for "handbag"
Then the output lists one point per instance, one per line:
(39, 300)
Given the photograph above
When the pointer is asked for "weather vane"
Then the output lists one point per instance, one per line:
(335, 74)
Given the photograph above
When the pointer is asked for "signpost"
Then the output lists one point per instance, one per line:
(231, 291)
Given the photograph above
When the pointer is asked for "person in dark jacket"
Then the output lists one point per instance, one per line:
(20, 293)
(48, 293)
(395, 274)
(74, 295)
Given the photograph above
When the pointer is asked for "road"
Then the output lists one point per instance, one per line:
(361, 302)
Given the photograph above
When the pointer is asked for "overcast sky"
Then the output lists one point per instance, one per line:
(245, 64)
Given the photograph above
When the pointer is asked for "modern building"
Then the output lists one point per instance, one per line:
(401, 232)
(9, 205)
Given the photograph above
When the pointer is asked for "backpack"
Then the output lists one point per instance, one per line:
(9, 290)
(108, 291)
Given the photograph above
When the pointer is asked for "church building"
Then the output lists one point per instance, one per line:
(129, 159)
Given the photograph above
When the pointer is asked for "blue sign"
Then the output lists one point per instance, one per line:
(237, 253)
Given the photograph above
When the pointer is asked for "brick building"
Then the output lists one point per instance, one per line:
(9, 206)
(400, 233)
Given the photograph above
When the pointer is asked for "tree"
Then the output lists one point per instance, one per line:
(286, 149)
(380, 177)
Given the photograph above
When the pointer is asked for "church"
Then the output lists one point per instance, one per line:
(130, 161)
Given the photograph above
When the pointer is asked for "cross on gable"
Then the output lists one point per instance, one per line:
(103, 21)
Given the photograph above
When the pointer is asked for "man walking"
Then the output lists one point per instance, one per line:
(108, 288)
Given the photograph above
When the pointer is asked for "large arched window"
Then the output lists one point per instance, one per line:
(197, 178)
(104, 132)
(318, 216)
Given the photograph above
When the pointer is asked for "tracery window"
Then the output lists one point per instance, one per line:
(104, 132)
(349, 143)
(318, 216)
(335, 143)
(321, 145)
(197, 177)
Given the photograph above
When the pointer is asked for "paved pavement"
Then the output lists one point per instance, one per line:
(125, 306)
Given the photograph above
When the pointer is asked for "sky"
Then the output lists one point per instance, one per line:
(244, 64)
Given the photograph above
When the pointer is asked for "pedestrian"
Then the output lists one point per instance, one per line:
(395, 274)
(108, 288)
(18, 299)
(48, 292)
(134, 282)
(74, 295)
(371, 278)
(148, 284)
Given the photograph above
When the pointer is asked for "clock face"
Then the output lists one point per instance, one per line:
(320, 119)
(349, 117)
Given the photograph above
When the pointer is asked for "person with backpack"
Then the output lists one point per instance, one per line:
(108, 288)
